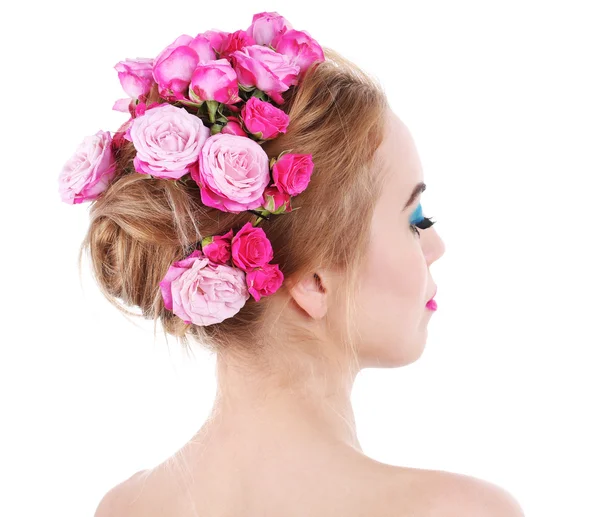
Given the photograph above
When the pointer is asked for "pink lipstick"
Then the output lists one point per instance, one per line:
(431, 304)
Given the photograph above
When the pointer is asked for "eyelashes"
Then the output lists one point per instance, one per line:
(423, 223)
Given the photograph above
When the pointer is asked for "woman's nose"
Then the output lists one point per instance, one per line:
(433, 245)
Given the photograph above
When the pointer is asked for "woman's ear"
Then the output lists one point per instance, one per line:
(310, 293)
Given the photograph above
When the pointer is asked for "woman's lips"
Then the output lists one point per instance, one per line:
(432, 304)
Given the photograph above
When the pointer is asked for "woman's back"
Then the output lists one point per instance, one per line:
(327, 481)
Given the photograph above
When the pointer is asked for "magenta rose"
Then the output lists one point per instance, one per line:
(168, 141)
(291, 173)
(135, 76)
(264, 280)
(263, 68)
(214, 81)
(232, 172)
(250, 248)
(277, 202)
(174, 66)
(218, 247)
(233, 127)
(201, 292)
(235, 41)
(264, 120)
(142, 107)
(266, 26)
(300, 48)
(89, 171)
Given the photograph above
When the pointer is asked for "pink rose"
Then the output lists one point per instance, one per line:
(89, 171)
(174, 66)
(277, 202)
(301, 49)
(264, 120)
(233, 127)
(264, 280)
(250, 248)
(214, 80)
(266, 26)
(265, 69)
(232, 172)
(291, 173)
(217, 38)
(235, 41)
(142, 107)
(123, 104)
(218, 247)
(168, 141)
(201, 292)
(136, 76)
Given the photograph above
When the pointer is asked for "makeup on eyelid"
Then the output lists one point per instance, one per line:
(417, 215)
(418, 221)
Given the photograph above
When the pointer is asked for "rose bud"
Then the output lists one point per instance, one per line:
(277, 202)
(218, 247)
(263, 120)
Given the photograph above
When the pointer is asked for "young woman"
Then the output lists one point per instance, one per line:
(351, 289)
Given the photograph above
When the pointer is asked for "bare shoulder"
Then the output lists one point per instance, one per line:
(118, 498)
(439, 493)
(482, 497)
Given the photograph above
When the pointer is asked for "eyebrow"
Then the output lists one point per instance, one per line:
(420, 187)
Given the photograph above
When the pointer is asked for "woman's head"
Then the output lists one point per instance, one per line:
(340, 115)
(395, 281)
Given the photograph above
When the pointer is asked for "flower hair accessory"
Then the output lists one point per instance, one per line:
(218, 102)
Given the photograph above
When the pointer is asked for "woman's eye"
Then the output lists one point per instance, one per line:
(418, 221)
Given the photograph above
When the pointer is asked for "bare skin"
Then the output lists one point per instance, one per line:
(281, 439)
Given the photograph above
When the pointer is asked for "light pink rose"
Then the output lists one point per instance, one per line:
(300, 48)
(174, 66)
(264, 120)
(250, 248)
(265, 69)
(89, 171)
(264, 280)
(214, 81)
(233, 127)
(136, 76)
(266, 26)
(277, 202)
(201, 292)
(291, 173)
(218, 247)
(168, 141)
(232, 173)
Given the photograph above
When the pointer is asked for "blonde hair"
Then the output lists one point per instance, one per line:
(141, 224)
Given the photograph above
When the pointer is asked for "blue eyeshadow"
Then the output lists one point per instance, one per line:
(417, 215)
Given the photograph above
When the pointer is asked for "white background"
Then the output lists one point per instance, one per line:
(503, 100)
